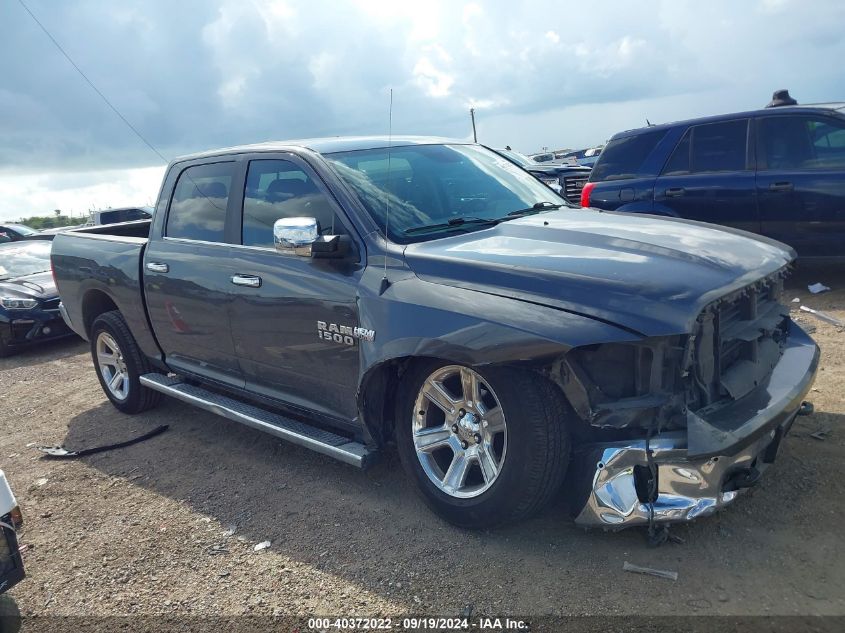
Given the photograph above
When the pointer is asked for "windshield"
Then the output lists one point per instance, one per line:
(439, 185)
(22, 230)
(18, 259)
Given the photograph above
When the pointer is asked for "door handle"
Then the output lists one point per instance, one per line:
(158, 267)
(251, 281)
(781, 186)
(675, 192)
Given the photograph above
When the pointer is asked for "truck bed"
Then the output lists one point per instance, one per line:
(136, 229)
(103, 264)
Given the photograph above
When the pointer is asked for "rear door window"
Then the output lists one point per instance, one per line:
(719, 147)
(198, 208)
(624, 157)
(802, 142)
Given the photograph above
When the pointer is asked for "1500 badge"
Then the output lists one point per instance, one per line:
(344, 334)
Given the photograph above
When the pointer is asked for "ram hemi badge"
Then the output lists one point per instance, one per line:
(343, 333)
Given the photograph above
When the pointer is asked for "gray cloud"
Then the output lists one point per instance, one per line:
(195, 75)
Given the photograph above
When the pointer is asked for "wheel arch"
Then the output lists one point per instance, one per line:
(378, 394)
(97, 299)
(380, 388)
(94, 303)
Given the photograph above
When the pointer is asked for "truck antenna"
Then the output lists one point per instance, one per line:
(384, 281)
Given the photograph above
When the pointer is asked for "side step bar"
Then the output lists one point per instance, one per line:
(325, 442)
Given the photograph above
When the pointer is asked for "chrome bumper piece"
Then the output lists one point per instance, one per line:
(65, 317)
(687, 489)
(703, 468)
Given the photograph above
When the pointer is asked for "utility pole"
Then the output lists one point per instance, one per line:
(472, 116)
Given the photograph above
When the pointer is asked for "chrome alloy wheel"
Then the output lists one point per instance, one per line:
(459, 431)
(112, 366)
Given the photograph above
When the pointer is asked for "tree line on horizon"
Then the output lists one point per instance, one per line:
(40, 222)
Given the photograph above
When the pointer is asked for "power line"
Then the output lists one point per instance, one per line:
(91, 83)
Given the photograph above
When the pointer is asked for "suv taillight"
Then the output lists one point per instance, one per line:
(585, 193)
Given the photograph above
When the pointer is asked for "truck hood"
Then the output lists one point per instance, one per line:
(557, 169)
(648, 275)
(37, 286)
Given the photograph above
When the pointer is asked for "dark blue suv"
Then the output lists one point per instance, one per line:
(779, 171)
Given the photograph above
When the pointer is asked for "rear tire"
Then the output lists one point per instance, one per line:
(484, 446)
(120, 363)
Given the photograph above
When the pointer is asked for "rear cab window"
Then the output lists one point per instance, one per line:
(198, 207)
(625, 157)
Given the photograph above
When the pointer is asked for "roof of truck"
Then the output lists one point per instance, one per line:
(327, 145)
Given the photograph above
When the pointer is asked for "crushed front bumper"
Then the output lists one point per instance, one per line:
(703, 468)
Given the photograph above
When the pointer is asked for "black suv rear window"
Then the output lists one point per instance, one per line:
(624, 157)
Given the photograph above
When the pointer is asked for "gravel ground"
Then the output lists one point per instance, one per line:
(169, 526)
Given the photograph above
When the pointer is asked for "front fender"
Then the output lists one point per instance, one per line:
(416, 319)
(420, 318)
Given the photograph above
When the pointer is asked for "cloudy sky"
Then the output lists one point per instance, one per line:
(193, 75)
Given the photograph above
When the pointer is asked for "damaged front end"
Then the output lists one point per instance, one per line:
(673, 428)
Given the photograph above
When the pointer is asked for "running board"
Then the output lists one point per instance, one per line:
(325, 442)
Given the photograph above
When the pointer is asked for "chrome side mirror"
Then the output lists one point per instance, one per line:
(295, 235)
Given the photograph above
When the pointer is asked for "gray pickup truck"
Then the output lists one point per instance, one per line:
(349, 294)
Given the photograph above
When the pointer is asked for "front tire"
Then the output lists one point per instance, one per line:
(484, 447)
(120, 363)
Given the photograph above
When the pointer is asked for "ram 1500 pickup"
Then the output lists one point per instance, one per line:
(349, 294)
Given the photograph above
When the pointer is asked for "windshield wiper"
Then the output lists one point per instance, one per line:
(464, 221)
(454, 223)
(536, 208)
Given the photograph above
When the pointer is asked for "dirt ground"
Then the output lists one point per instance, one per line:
(148, 529)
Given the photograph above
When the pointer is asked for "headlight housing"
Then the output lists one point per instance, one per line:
(16, 303)
(622, 385)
